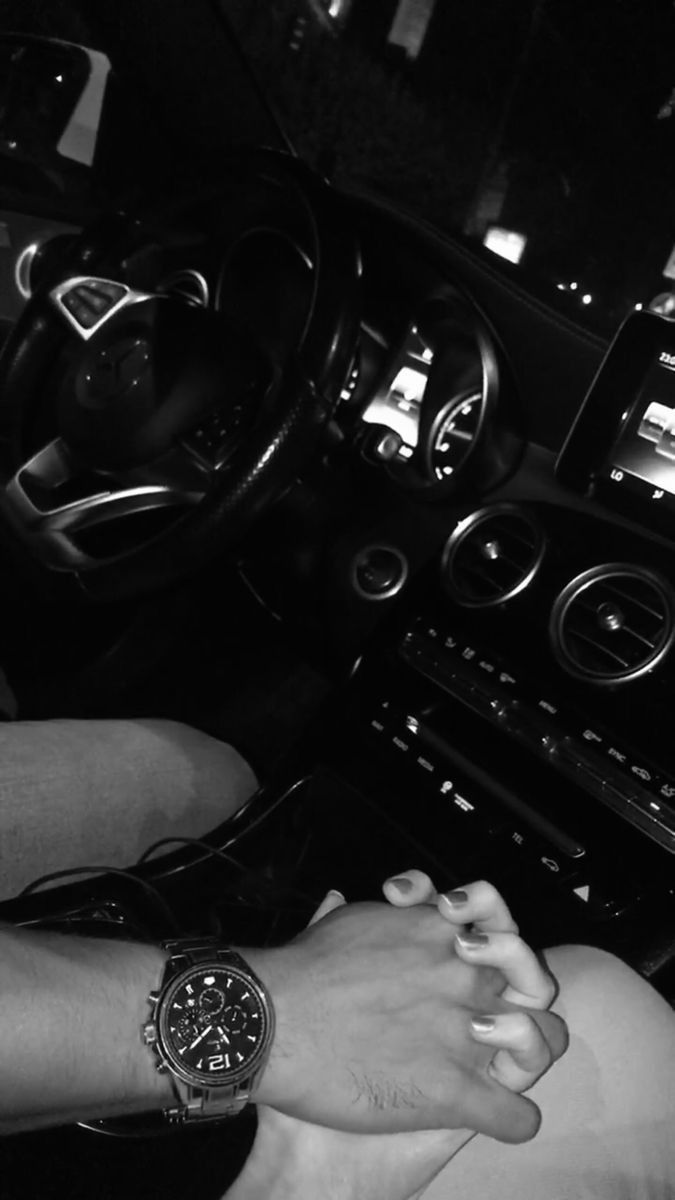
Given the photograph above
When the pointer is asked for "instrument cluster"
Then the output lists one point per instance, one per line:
(441, 408)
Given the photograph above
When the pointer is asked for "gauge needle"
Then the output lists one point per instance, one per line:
(201, 1036)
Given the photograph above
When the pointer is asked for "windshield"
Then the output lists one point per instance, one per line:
(540, 130)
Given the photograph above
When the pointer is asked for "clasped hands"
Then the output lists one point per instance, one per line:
(391, 1020)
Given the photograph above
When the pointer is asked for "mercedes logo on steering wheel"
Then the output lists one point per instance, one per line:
(115, 370)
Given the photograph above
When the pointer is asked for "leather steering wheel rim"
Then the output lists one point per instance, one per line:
(262, 192)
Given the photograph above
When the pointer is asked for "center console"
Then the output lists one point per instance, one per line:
(499, 764)
(515, 720)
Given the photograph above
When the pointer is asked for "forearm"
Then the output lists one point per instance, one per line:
(276, 1173)
(297, 1160)
(290, 1163)
(70, 1035)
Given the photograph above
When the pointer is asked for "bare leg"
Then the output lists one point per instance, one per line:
(79, 792)
(608, 1106)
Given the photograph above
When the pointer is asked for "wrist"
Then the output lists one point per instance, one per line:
(276, 1085)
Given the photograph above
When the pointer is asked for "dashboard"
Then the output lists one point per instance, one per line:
(509, 602)
(482, 560)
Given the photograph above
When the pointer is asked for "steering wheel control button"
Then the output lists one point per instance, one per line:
(379, 572)
(87, 303)
(212, 439)
(85, 308)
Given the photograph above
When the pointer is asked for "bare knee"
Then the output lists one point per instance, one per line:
(589, 979)
(573, 962)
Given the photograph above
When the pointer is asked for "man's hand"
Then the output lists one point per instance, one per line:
(374, 1008)
(293, 1158)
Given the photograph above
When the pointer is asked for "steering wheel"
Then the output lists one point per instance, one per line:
(167, 388)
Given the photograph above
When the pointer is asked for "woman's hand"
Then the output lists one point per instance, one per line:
(486, 933)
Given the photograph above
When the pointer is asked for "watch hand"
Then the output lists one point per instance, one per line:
(200, 1037)
(223, 1034)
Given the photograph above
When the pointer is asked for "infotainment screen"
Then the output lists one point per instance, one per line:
(645, 447)
(622, 445)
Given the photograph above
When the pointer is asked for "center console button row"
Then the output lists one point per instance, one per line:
(473, 818)
(473, 674)
(599, 887)
(535, 853)
(512, 807)
(630, 787)
(626, 794)
(640, 775)
(505, 846)
(477, 694)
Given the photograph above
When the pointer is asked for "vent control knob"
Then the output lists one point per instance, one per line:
(490, 550)
(610, 617)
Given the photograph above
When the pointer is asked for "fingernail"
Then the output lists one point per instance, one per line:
(483, 1024)
(473, 941)
(402, 885)
(334, 892)
(455, 899)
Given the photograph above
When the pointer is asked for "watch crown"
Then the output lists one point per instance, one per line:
(149, 1034)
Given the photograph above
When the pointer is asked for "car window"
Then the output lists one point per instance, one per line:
(542, 131)
(51, 99)
(53, 79)
(51, 96)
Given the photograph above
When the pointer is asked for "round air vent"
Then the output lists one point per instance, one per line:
(492, 555)
(612, 623)
(187, 285)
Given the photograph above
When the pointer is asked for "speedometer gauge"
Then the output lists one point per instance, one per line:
(453, 433)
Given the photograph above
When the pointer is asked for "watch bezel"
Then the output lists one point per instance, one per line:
(212, 1081)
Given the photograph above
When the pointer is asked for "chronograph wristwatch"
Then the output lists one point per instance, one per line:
(211, 1029)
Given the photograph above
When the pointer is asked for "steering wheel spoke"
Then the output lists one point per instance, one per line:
(53, 499)
(87, 302)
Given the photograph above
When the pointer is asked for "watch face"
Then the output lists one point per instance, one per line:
(214, 1024)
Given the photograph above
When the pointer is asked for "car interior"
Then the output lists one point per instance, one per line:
(287, 460)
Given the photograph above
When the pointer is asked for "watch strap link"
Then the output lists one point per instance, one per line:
(183, 953)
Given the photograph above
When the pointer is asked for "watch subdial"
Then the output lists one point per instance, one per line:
(185, 1029)
(235, 1018)
(211, 1003)
(453, 434)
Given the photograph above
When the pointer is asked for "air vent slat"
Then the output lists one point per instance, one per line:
(599, 648)
(499, 529)
(612, 623)
(648, 643)
(492, 556)
(481, 578)
(612, 595)
(626, 631)
(635, 600)
(506, 570)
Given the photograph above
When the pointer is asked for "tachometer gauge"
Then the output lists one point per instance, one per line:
(453, 433)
